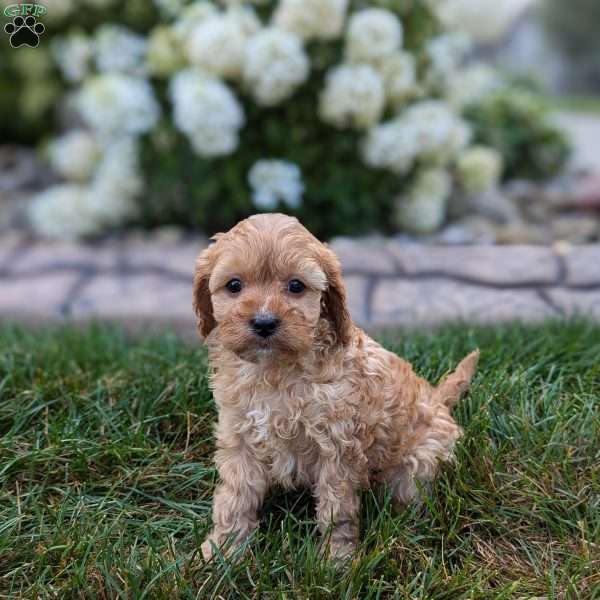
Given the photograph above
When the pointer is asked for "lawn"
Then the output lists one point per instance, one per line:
(106, 477)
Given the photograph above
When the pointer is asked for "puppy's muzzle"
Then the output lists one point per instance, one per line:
(264, 325)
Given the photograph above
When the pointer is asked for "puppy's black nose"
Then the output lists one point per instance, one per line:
(264, 325)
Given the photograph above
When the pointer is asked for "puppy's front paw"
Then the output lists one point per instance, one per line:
(340, 551)
(216, 542)
(208, 547)
(227, 544)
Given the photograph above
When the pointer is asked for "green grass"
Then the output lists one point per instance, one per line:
(106, 477)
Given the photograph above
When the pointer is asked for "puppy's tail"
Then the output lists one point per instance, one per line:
(454, 385)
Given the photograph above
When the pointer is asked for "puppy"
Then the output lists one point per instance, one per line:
(306, 398)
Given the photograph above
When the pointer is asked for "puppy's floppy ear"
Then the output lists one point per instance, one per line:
(201, 300)
(333, 301)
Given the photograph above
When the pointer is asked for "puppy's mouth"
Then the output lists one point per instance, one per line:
(275, 347)
(259, 350)
(265, 344)
(275, 343)
(254, 344)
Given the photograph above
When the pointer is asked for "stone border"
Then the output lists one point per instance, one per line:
(388, 283)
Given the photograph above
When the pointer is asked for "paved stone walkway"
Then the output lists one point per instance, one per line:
(149, 283)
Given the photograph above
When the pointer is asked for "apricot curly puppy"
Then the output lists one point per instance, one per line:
(305, 398)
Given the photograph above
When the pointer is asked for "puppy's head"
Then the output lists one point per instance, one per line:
(262, 288)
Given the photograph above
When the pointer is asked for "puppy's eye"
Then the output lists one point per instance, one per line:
(234, 286)
(295, 286)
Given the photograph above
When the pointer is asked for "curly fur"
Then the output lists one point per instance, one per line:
(320, 403)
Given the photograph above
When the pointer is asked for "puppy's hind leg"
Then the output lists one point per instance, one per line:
(433, 439)
(419, 466)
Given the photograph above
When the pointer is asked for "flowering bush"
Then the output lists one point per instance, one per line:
(478, 169)
(274, 180)
(352, 115)
(73, 210)
(481, 20)
(516, 124)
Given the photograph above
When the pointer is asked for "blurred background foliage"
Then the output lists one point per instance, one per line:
(342, 195)
(514, 122)
(30, 82)
(574, 27)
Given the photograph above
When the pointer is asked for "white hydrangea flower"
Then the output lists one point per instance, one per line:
(119, 49)
(275, 65)
(392, 146)
(116, 184)
(479, 169)
(372, 34)
(312, 19)
(245, 17)
(441, 134)
(74, 155)
(207, 111)
(427, 131)
(423, 209)
(482, 23)
(471, 84)
(114, 104)
(458, 140)
(353, 96)
(192, 16)
(432, 182)
(170, 8)
(164, 55)
(73, 54)
(275, 180)
(399, 74)
(71, 211)
(63, 212)
(218, 44)
(445, 54)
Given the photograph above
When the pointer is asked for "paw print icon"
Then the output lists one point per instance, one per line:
(24, 32)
